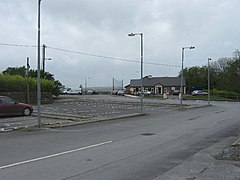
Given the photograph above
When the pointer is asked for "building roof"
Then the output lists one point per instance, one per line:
(153, 81)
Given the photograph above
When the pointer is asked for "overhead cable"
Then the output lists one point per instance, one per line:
(93, 55)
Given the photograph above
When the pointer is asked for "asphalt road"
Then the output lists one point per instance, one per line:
(144, 147)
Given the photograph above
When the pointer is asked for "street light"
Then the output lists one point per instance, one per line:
(209, 59)
(140, 34)
(181, 90)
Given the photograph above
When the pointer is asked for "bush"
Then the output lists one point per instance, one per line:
(18, 83)
(225, 94)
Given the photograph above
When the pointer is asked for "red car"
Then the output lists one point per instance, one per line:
(10, 107)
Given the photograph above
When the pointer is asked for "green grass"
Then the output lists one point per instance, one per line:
(213, 98)
(154, 97)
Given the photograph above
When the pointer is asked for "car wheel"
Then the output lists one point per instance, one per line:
(27, 112)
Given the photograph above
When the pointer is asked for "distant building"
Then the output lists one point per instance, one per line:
(156, 85)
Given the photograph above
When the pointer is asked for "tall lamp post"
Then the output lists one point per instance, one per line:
(141, 35)
(209, 59)
(181, 89)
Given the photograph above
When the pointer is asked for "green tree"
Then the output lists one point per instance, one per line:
(232, 77)
(219, 72)
(195, 77)
(225, 74)
(236, 54)
(21, 71)
(15, 71)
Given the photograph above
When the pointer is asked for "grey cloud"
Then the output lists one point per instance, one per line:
(101, 27)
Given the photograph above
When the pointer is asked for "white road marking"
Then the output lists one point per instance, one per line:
(53, 155)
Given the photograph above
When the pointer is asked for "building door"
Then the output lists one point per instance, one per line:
(159, 90)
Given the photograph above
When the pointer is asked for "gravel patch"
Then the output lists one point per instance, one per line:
(230, 153)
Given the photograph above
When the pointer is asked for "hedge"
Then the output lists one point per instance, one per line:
(18, 83)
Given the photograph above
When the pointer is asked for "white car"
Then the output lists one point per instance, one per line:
(147, 93)
(199, 92)
(120, 93)
(73, 92)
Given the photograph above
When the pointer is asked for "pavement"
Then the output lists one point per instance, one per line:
(206, 165)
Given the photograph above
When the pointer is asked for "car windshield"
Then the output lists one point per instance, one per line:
(7, 100)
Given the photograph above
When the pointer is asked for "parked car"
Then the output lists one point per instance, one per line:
(9, 106)
(176, 92)
(120, 93)
(90, 91)
(114, 92)
(73, 92)
(147, 93)
(199, 92)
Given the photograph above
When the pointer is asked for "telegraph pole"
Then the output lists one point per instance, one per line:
(38, 71)
(209, 103)
(43, 57)
(27, 70)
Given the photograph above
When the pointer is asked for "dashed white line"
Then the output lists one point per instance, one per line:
(53, 155)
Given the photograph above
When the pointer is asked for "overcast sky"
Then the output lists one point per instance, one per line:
(101, 27)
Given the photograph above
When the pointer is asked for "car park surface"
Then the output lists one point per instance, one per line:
(72, 110)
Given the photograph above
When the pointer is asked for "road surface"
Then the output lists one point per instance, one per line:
(145, 147)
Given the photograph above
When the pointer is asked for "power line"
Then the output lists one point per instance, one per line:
(114, 58)
(93, 55)
(17, 45)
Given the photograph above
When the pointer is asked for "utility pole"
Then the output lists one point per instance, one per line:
(209, 103)
(27, 70)
(85, 86)
(113, 85)
(38, 71)
(43, 57)
(141, 34)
